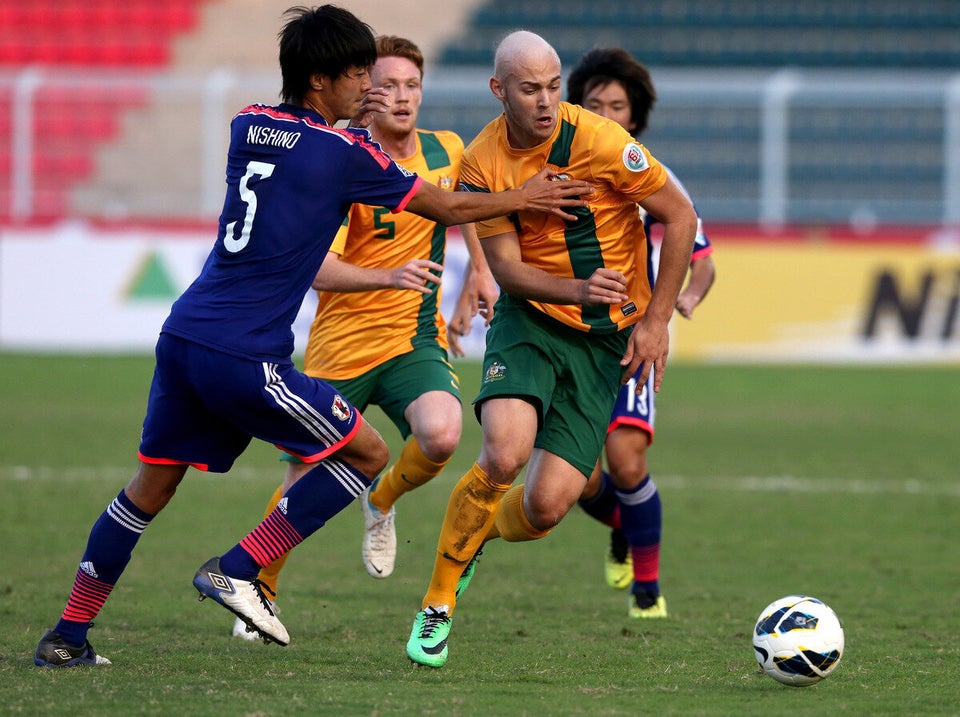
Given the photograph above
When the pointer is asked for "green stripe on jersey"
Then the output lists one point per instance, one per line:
(433, 152)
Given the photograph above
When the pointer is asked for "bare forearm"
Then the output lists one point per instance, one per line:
(344, 277)
(527, 282)
(675, 254)
(465, 207)
(702, 274)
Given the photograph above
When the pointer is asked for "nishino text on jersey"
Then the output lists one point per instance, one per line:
(258, 134)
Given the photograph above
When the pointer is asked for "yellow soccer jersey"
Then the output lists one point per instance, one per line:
(609, 232)
(357, 331)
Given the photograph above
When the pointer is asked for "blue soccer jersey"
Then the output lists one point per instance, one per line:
(291, 179)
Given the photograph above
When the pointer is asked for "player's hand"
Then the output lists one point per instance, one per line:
(454, 332)
(415, 274)
(605, 286)
(375, 100)
(484, 292)
(686, 303)
(551, 192)
(649, 345)
(477, 296)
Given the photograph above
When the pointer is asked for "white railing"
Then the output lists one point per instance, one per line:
(167, 160)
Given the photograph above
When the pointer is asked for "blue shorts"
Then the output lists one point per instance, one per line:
(633, 410)
(205, 406)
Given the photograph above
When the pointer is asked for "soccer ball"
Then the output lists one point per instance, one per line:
(798, 640)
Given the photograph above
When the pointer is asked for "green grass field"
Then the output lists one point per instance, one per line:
(840, 483)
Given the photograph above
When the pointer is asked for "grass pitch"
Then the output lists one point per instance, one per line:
(840, 483)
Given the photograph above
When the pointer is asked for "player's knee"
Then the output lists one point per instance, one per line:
(501, 466)
(627, 475)
(544, 512)
(373, 460)
(439, 444)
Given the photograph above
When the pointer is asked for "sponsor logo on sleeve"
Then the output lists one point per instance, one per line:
(634, 159)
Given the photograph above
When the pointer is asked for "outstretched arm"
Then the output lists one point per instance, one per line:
(538, 193)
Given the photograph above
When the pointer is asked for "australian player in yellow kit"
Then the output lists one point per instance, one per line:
(575, 319)
(385, 267)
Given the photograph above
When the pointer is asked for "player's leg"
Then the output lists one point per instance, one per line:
(269, 575)
(640, 516)
(420, 393)
(599, 501)
(508, 430)
(326, 489)
(435, 420)
(177, 431)
(509, 427)
(307, 418)
(357, 392)
(531, 366)
(109, 549)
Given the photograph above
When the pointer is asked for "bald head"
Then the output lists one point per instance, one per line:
(521, 48)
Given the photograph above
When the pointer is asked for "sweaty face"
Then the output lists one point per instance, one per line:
(401, 78)
(610, 100)
(530, 93)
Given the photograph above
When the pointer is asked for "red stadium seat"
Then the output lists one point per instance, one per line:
(80, 33)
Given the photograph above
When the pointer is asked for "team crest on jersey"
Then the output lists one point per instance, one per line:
(340, 408)
(496, 371)
(633, 158)
(445, 183)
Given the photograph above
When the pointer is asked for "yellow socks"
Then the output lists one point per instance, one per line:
(511, 522)
(470, 513)
(271, 573)
(411, 470)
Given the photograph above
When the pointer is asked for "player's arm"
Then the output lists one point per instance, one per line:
(483, 287)
(538, 194)
(524, 281)
(478, 293)
(702, 275)
(649, 342)
(480, 287)
(335, 274)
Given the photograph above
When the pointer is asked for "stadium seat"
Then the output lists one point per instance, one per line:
(79, 34)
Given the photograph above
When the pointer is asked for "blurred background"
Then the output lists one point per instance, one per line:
(820, 142)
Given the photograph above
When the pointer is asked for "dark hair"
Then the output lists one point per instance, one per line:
(601, 66)
(325, 40)
(393, 46)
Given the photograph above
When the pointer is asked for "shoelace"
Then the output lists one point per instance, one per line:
(432, 620)
(378, 531)
(259, 588)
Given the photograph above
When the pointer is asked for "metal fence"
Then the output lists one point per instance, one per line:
(779, 146)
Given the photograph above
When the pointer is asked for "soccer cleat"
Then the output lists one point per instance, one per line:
(52, 651)
(379, 538)
(618, 566)
(428, 638)
(245, 632)
(244, 598)
(467, 575)
(646, 605)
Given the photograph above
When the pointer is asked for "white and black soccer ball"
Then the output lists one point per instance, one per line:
(798, 640)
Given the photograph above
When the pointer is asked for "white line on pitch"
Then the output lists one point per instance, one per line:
(746, 484)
